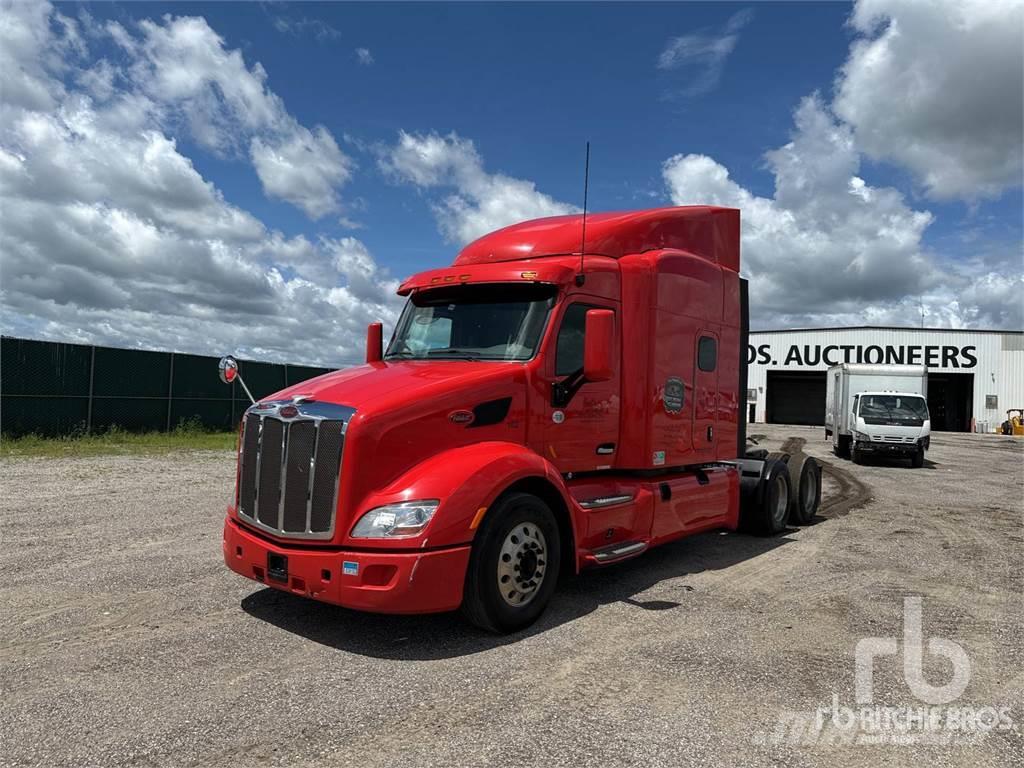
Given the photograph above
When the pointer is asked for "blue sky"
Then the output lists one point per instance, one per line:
(529, 85)
(681, 103)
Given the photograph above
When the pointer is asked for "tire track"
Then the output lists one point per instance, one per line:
(853, 492)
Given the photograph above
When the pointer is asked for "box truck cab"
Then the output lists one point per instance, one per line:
(546, 404)
(878, 410)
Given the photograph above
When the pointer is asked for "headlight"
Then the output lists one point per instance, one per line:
(395, 521)
(861, 437)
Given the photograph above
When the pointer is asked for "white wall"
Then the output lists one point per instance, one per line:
(995, 359)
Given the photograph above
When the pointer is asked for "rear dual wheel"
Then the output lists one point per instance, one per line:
(805, 484)
(513, 566)
(771, 511)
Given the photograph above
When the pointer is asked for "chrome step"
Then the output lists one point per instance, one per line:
(618, 551)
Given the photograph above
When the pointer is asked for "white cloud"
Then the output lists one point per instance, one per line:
(364, 56)
(699, 57)
(938, 88)
(482, 202)
(320, 29)
(111, 235)
(304, 169)
(180, 70)
(828, 248)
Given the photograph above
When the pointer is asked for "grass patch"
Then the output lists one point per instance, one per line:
(187, 436)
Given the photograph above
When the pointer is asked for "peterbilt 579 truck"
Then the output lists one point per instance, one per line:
(566, 395)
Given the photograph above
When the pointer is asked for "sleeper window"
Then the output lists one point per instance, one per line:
(707, 353)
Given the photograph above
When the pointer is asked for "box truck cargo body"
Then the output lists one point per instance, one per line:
(878, 409)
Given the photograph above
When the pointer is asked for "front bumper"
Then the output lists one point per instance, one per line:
(381, 582)
(892, 449)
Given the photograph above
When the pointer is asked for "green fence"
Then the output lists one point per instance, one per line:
(49, 388)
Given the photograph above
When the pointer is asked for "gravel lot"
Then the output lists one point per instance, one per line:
(127, 642)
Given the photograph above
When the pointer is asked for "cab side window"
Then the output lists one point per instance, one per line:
(569, 345)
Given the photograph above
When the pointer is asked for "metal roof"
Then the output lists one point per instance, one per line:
(884, 328)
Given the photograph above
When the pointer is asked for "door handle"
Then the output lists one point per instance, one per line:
(711, 433)
(605, 448)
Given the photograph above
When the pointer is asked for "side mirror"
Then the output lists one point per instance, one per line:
(597, 344)
(228, 370)
(374, 342)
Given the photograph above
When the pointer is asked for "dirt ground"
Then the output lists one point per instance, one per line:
(127, 642)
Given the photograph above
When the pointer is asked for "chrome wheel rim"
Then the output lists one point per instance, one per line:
(522, 563)
(780, 500)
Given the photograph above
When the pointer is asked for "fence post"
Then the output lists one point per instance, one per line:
(170, 393)
(92, 380)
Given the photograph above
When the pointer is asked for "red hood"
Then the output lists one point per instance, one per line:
(386, 385)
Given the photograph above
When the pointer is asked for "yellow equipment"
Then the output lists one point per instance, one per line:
(1014, 424)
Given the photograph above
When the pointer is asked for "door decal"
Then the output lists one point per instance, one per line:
(674, 393)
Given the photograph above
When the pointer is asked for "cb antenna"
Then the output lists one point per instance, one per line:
(580, 277)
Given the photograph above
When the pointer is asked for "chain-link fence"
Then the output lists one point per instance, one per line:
(50, 389)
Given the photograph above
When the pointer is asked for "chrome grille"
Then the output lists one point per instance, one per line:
(268, 489)
(291, 466)
(298, 472)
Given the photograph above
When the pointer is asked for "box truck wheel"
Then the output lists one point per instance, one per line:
(843, 447)
(513, 566)
(772, 510)
(805, 485)
(917, 460)
(857, 454)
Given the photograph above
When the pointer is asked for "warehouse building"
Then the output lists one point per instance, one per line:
(973, 376)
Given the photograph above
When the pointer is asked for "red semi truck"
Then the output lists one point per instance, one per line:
(546, 404)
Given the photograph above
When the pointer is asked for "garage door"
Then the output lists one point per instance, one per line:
(950, 396)
(796, 398)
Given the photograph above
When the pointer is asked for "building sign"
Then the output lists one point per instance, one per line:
(818, 355)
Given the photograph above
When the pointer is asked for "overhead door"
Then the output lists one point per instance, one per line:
(795, 397)
(950, 396)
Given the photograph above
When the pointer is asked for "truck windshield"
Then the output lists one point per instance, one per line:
(902, 410)
(475, 322)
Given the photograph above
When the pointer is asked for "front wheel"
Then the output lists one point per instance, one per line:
(513, 567)
(917, 459)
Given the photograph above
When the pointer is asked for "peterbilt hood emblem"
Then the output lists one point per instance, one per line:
(284, 409)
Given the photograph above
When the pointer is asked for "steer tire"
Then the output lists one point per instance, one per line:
(857, 455)
(917, 459)
(805, 488)
(770, 514)
(500, 545)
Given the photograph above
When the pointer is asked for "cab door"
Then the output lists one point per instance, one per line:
(582, 433)
(705, 396)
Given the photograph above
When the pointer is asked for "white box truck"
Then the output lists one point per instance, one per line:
(878, 410)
